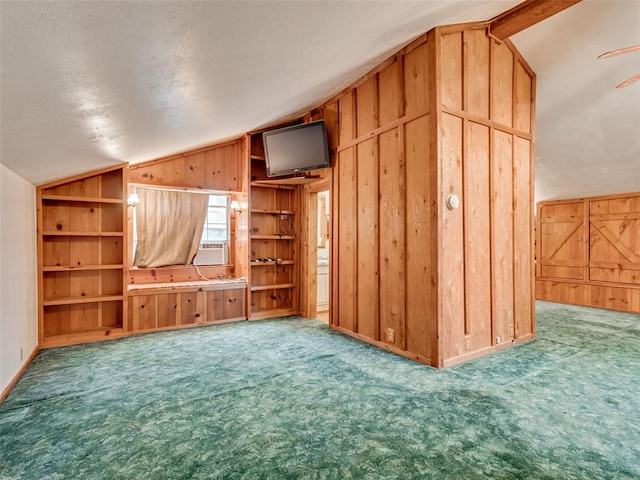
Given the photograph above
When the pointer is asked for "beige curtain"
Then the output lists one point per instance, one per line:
(169, 227)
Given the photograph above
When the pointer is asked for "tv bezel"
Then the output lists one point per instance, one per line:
(281, 173)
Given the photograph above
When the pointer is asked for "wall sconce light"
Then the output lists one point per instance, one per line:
(235, 206)
(133, 199)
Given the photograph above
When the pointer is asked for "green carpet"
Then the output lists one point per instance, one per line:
(290, 399)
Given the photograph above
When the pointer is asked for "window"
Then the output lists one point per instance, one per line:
(160, 210)
(216, 225)
(214, 244)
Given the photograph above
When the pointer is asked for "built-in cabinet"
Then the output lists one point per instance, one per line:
(189, 305)
(274, 238)
(588, 251)
(81, 238)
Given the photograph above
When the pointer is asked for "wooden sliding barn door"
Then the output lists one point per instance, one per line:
(562, 241)
(614, 243)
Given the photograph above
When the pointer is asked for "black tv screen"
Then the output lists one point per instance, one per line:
(296, 149)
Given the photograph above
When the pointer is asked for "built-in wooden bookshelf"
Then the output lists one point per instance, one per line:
(274, 236)
(81, 257)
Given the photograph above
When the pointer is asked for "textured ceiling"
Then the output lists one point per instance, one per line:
(89, 84)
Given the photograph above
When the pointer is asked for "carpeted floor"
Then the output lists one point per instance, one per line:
(290, 399)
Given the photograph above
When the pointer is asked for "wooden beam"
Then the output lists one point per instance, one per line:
(524, 15)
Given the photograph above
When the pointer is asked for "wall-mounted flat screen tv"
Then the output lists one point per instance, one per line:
(294, 149)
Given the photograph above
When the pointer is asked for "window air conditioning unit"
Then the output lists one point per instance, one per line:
(211, 254)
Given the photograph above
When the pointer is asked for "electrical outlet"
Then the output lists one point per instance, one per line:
(391, 335)
(467, 343)
(498, 340)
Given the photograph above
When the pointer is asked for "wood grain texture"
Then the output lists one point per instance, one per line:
(446, 265)
(604, 271)
(477, 237)
(367, 238)
(525, 15)
(392, 237)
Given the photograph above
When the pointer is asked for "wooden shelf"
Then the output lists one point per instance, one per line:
(273, 212)
(62, 233)
(269, 184)
(72, 198)
(272, 313)
(80, 268)
(285, 181)
(81, 336)
(276, 286)
(258, 157)
(283, 262)
(76, 300)
(273, 237)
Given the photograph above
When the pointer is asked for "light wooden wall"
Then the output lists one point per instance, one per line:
(217, 167)
(451, 113)
(487, 93)
(588, 252)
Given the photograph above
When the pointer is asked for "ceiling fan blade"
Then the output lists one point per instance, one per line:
(620, 51)
(631, 81)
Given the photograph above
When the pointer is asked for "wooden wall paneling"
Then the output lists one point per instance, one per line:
(232, 167)
(392, 217)
(334, 262)
(452, 252)
(112, 315)
(391, 93)
(308, 254)
(522, 239)
(347, 240)
(148, 174)
(194, 170)
(113, 184)
(55, 216)
(173, 172)
(416, 80)
(367, 290)
(144, 312)
(421, 298)
(562, 240)
(476, 48)
(233, 304)
(367, 106)
(215, 169)
(84, 316)
(501, 87)
(477, 237)
(193, 307)
(215, 305)
(167, 310)
(502, 236)
(451, 81)
(331, 120)
(56, 320)
(86, 187)
(614, 254)
(522, 98)
(55, 252)
(84, 217)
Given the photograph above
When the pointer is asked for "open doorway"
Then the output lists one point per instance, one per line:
(323, 244)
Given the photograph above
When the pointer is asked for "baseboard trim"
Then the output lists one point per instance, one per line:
(19, 373)
(385, 346)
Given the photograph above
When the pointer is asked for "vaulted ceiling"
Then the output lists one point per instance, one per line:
(89, 84)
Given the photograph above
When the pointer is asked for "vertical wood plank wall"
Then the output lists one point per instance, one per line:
(588, 252)
(452, 113)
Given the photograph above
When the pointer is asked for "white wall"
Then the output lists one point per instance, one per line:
(18, 280)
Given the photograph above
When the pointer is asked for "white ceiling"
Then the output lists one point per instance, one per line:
(89, 84)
